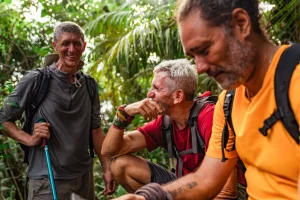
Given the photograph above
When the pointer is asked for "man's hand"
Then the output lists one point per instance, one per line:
(148, 108)
(131, 197)
(41, 130)
(110, 183)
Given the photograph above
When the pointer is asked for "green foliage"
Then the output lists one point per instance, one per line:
(12, 176)
(283, 21)
(20, 41)
(128, 43)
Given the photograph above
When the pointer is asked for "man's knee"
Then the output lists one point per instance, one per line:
(120, 164)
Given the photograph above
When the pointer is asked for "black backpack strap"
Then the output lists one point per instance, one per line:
(167, 130)
(91, 86)
(227, 108)
(193, 124)
(43, 84)
(288, 61)
(42, 92)
(92, 90)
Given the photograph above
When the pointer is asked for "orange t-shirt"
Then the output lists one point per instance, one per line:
(272, 162)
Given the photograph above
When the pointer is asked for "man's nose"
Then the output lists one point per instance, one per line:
(150, 93)
(71, 47)
(202, 65)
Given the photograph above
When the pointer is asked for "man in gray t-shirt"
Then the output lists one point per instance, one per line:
(69, 113)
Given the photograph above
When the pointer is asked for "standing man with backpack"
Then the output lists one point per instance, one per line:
(181, 125)
(226, 42)
(66, 101)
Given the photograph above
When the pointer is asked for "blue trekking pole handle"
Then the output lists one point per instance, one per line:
(49, 166)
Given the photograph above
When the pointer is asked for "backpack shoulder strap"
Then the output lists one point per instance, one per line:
(167, 130)
(288, 61)
(92, 88)
(197, 142)
(91, 85)
(43, 89)
(39, 95)
(227, 108)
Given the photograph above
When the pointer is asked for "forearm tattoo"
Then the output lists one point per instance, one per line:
(183, 189)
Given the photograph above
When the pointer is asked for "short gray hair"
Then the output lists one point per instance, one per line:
(181, 74)
(69, 27)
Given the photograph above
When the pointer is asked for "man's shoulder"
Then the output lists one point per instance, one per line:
(90, 78)
(214, 108)
(222, 97)
(207, 103)
(32, 75)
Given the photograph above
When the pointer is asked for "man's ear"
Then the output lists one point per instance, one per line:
(241, 24)
(54, 46)
(178, 96)
(84, 46)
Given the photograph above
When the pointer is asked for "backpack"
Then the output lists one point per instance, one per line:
(288, 61)
(198, 145)
(43, 84)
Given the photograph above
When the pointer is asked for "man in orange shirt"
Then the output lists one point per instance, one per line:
(226, 42)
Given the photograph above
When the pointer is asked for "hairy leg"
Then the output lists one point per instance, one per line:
(131, 172)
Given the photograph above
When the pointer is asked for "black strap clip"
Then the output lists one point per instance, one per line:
(268, 123)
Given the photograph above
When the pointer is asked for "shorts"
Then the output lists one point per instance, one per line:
(40, 189)
(160, 174)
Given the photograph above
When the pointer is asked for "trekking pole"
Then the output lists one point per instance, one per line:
(49, 166)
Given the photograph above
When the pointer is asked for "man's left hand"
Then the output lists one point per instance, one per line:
(110, 183)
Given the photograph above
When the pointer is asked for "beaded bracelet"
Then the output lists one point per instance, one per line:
(122, 119)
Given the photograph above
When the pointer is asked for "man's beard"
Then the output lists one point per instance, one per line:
(240, 64)
(165, 107)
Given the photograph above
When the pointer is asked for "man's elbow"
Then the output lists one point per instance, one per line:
(105, 152)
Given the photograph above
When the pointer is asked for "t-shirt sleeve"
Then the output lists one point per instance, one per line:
(214, 148)
(205, 121)
(96, 120)
(15, 104)
(153, 133)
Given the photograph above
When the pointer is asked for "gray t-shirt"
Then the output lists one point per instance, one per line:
(69, 111)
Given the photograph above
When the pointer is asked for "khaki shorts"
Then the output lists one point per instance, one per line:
(40, 189)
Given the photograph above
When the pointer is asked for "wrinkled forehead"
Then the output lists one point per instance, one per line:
(71, 36)
(160, 75)
(193, 29)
